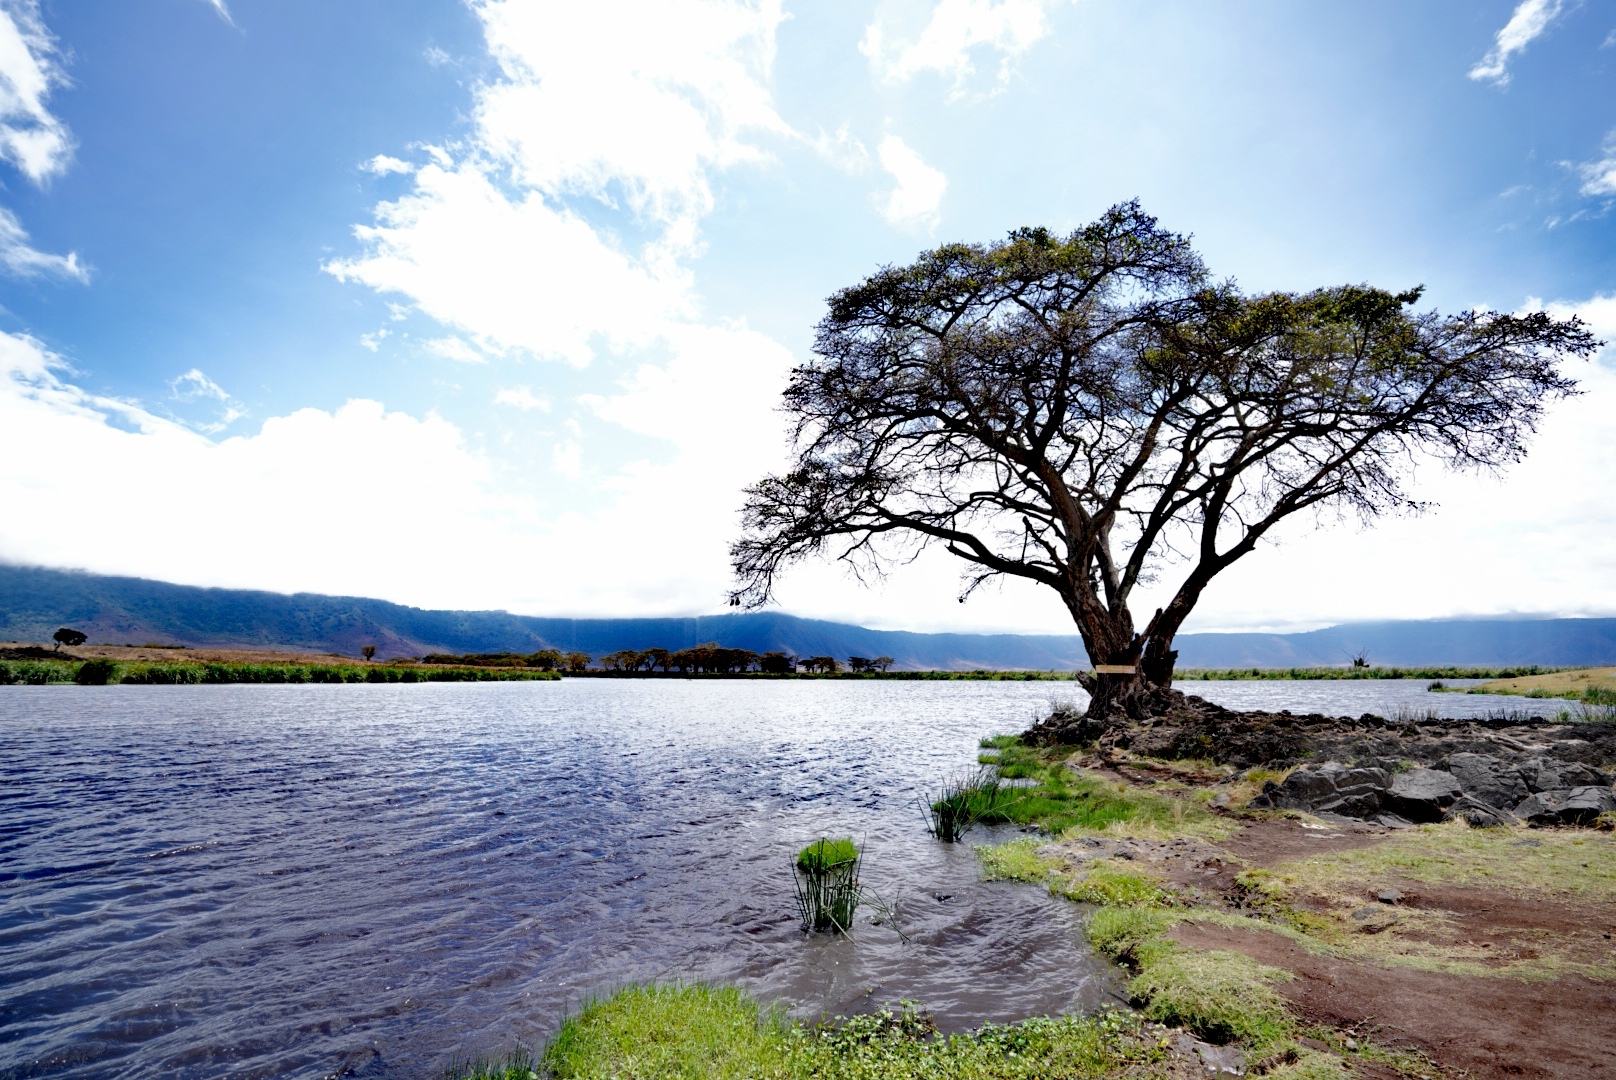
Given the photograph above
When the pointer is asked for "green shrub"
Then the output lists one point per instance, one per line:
(96, 672)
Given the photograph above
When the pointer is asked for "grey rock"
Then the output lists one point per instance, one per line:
(1391, 821)
(1479, 815)
(1553, 774)
(1486, 779)
(1571, 806)
(1329, 788)
(1388, 896)
(1216, 1060)
(1423, 794)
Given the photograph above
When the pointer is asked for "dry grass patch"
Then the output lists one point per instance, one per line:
(1482, 902)
(1561, 684)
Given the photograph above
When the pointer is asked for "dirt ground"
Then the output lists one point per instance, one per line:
(1474, 1027)
(1469, 1026)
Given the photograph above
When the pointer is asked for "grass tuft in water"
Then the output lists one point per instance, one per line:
(516, 1065)
(962, 802)
(827, 884)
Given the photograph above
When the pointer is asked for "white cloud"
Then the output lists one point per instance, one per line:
(520, 397)
(31, 137)
(373, 340)
(23, 260)
(842, 149)
(194, 386)
(955, 29)
(628, 106)
(222, 9)
(271, 521)
(919, 191)
(383, 165)
(1526, 24)
(568, 459)
(1599, 177)
(456, 349)
(436, 56)
(675, 90)
(514, 272)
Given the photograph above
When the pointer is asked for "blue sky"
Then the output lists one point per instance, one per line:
(488, 304)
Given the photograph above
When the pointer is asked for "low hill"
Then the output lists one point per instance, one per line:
(123, 610)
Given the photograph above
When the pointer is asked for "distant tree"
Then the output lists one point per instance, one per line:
(577, 661)
(69, 637)
(858, 663)
(825, 665)
(777, 663)
(368, 652)
(881, 663)
(546, 659)
(657, 660)
(1096, 411)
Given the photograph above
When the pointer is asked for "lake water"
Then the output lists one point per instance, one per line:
(362, 880)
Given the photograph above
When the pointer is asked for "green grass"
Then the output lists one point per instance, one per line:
(962, 802)
(98, 672)
(670, 1033)
(1064, 802)
(825, 855)
(686, 1032)
(1102, 883)
(1220, 996)
(827, 884)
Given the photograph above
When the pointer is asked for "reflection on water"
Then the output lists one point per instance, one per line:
(301, 880)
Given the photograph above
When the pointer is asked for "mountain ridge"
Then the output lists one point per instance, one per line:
(34, 601)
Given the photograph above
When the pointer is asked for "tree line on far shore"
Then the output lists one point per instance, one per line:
(707, 658)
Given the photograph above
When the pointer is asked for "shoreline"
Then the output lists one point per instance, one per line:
(1282, 942)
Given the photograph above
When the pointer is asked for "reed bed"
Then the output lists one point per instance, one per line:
(962, 802)
(827, 884)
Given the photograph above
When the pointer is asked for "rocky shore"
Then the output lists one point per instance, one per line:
(1492, 771)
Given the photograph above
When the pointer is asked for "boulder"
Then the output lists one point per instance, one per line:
(1423, 794)
(1486, 779)
(1570, 806)
(1478, 814)
(1552, 774)
(1330, 788)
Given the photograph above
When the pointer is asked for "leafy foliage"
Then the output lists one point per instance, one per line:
(1075, 411)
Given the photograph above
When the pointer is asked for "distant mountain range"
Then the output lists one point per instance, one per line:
(122, 610)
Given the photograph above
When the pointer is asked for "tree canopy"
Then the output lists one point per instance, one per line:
(1095, 411)
(66, 635)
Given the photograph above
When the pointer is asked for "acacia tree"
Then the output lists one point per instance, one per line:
(1094, 412)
